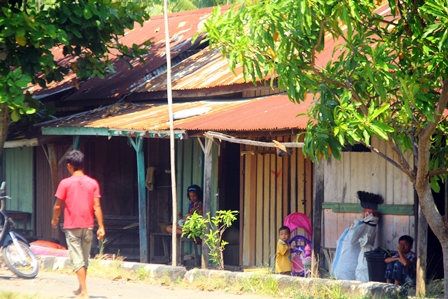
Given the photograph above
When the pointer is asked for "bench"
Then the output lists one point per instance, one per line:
(166, 239)
(121, 236)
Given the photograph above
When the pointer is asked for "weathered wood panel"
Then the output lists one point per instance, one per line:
(366, 171)
(19, 176)
(259, 208)
(273, 187)
(45, 189)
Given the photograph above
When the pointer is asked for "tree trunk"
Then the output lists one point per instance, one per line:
(422, 186)
(435, 221)
(4, 122)
(445, 267)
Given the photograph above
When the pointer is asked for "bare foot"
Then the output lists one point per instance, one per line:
(77, 292)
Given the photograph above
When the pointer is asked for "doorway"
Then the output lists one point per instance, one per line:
(229, 197)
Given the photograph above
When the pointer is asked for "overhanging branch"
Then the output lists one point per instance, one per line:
(375, 150)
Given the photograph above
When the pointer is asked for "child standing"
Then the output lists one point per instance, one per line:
(400, 268)
(282, 259)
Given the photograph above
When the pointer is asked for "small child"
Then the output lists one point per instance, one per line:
(400, 268)
(282, 259)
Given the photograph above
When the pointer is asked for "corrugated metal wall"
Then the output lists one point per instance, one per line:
(272, 188)
(19, 174)
(369, 172)
(45, 191)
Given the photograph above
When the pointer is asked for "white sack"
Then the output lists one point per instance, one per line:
(362, 270)
(347, 247)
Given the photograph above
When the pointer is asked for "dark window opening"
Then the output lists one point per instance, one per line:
(356, 148)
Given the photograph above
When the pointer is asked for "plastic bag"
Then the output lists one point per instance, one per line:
(362, 270)
(347, 247)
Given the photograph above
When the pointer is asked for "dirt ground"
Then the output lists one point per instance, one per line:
(57, 285)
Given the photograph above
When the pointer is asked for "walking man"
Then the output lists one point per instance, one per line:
(81, 195)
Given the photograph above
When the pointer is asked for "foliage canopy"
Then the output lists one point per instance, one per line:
(86, 32)
(376, 68)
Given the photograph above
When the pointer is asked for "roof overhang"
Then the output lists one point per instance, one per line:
(109, 132)
(21, 143)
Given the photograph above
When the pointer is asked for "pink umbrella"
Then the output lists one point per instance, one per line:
(298, 219)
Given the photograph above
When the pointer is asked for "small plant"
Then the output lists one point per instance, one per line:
(196, 227)
(142, 273)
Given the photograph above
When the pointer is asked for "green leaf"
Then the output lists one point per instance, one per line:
(15, 115)
(87, 13)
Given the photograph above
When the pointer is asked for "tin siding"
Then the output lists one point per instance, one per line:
(19, 172)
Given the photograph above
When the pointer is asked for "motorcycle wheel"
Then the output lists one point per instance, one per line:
(24, 269)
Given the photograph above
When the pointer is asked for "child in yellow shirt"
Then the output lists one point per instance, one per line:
(282, 257)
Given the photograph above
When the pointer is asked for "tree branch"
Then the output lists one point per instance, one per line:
(382, 155)
(406, 168)
(425, 135)
(438, 171)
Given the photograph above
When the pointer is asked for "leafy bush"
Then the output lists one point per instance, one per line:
(212, 228)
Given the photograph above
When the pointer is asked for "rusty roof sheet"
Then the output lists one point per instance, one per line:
(206, 69)
(182, 27)
(267, 113)
(275, 112)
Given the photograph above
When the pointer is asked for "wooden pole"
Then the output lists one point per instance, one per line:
(422, 245)
(142, 216)
(207, 195)
(172, 145)
(317, 216)
(232, 139)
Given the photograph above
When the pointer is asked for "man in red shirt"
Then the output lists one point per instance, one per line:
(81, 195)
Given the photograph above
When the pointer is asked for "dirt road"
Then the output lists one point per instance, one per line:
(57, 285)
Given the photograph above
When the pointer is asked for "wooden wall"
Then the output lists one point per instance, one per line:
(366, 171)
(19, 177)
(369, 172)
(45, 190)
(272, 187)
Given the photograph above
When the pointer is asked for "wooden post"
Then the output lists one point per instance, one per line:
(53, 160)
(207, 194)
(422, 245)
(142, 219)
(76, 142)
(317, 216)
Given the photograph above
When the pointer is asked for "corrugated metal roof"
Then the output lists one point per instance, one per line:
(267, 113)
(275, 112)
(206, 69)
(182, 27)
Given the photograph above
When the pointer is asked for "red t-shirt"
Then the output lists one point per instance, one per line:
(78, 193)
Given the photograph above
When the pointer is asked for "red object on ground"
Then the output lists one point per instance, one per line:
(48, 244)
(42, 247)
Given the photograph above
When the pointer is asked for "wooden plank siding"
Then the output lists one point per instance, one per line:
(19, 176)
(45, 190)
(272, 188)
(369, 172)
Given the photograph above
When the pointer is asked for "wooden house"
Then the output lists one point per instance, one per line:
(239, 170)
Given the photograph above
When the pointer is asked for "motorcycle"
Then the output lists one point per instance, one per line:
(15, 249)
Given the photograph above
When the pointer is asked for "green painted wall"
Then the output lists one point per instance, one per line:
(190, 170)
(18, 174)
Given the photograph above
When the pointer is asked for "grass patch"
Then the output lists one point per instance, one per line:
(13, 295)
(108, 267)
